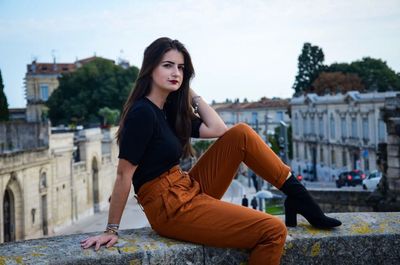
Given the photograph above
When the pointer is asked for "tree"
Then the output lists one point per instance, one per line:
(375, 74)
(82, 93)
(201, 146)
(110, 116)
(310, 64)
(336, 82)
(4, 114)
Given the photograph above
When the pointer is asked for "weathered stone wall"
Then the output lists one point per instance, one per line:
(339, 201)
(22, 136)
(49, 189)
(364, 238)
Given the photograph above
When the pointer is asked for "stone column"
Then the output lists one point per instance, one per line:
(389, 158)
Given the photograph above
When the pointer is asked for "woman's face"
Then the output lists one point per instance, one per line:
(168, 75)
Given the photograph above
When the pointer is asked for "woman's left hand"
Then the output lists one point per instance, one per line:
(97, 241)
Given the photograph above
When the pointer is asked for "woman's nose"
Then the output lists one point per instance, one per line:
(176, 71)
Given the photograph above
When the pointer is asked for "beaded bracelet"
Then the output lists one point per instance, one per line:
(111, 231)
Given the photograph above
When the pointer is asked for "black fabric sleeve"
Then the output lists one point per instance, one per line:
(196, 122)
(136, 134)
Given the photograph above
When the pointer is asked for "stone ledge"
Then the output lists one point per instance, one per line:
(364, 238)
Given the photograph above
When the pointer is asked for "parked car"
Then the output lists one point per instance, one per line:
(350, 178)
(371, 182)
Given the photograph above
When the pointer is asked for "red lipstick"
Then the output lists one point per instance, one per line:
(173, 82)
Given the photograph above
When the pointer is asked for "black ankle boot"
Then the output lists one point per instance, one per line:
(298, 200)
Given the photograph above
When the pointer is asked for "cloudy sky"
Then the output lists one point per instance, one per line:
(240, 49)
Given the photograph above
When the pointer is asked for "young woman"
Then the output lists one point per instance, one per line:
(160, 116)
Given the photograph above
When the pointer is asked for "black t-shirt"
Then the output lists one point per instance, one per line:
(148, 141)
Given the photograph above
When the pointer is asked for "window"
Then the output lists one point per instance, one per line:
(306, 125)
(296, 124)
(312, 122)
(354, 132)
(365, 128)
(321, 127)
(321, 154)
(344, 158)
(332, 126)
(381, 131)
(343, 126)
(44, 91)
(279, 115)
(333, 159)
(254, 118)
(297, 151)
(305, 152)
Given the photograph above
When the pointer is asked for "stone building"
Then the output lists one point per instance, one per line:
(263, 115)
(41, 79)
(335, 133)
(49, 180)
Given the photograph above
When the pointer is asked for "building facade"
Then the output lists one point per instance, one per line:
(263, 116)
(335, 133)
(47, 185)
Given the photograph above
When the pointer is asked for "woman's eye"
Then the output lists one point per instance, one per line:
(181, 67)
(167, 65)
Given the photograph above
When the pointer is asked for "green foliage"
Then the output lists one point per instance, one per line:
(81, 94)
(201, 146)
(110, 116)
(375, 74)
(274, 141)
(4, 114)
(310, 64)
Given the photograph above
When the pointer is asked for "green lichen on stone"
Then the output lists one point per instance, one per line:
(135, 262)
(315, 249)
(150, 246)
(168, 242)
(37, 254)
(18, 260)
(41, 247)
(129, 249)
(314, 231)
(361, 228)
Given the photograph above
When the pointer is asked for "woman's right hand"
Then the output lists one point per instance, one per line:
(97, 241)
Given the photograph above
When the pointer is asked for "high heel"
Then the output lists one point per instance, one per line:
(298, 200)
(290, 215)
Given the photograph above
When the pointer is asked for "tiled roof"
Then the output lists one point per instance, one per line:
(261, 104)
(58, 68)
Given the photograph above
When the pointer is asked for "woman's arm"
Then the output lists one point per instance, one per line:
(119, 197)
(212, 126)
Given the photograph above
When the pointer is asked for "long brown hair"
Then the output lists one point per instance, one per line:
(178, 109)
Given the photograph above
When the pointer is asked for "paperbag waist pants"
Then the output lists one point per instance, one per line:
(186, 205)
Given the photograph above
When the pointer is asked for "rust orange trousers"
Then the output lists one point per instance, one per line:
(186, 205)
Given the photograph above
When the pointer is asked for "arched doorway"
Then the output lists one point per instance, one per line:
(9, 216)
(95, 184)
